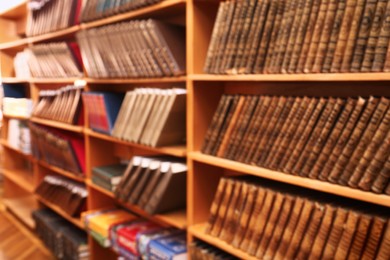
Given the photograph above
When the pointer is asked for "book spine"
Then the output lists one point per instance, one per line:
(383, 42)
(347, 236)
(373, 238)
(228, 222)
(360, 237)
(381, 182)
(216, 204)
(384, 248)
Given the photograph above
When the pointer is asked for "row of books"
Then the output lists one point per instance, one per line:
(264, 36)
(97, 9)
(134, 238)
(50, 60)
(201, 251)
(342, 141)
(156, 184)
(108, 176)
(62, 149)
(21, 67)
(61, 237)
(62, 105)
(19, 107)
(52, 15)
(19, 136)
(271, 222)
(153, 49)
(69, 195)
(151, 116)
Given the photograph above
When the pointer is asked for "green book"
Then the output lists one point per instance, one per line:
(111, 173)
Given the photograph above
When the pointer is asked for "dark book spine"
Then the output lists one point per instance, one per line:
(373, 37)
(228, 222)
(343, 138)
(352, 36)
(381, 182)
(384, 248)
(215, 205)
(334, 36)
(363, 35)
(373, 238)
(347, 236)
(360, 237)
(383, 42)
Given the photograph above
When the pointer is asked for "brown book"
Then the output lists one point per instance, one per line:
(272, 223)
(223, 207)
(382, 43)
(314, 137)
(293, 37)
(257, 120)
(304, 50)
(350, 228)
(250, 229)
(245, 216)
(384, 248)
(276, 32)
(312, 232)
(373, 238)
(304, 136)
(289, 133)
(269, 130)
(373, 37)
(363, 35)
(375, 165)
(219, 194)
(345, 29)
(287, 153)
(370, 151)
(321, 238)
(362, 231)
(274, 241)
(213, 123)
(352, 36)
(334, 36)
(302, 226)
(352, 142)
(326, 33)
(276, 131)
(290, 229)
(342, 140)
(230, 127)
(381, 182)
(228, 222)
(283, 131)
(335, 233)
(365, 140)
(261, 221)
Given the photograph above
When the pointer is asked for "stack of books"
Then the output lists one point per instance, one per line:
(201, 251)
(19, 107)
(154, 117)
(108, 176)
(69, 195)
(62, 149)
(154, 48)
(275, 222)
(52, 15)
(299, 37)
(19, 135)
(156, 184)
(62, 105)
(61, 237)
(343, 141)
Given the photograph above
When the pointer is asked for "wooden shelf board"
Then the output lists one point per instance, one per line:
(160, 7)
(198, 231)
(15, 44)
(178, 151)
(62, 172)
(380, 199)
(136, 80)
(176, 218)
(53, 80)
(53, 35)
(12, 80)
(16, 117)
(6, 145)
(76, 221)
(19, 177)
(15, 11)
(60, 125)
(22, 208)
(380, 76)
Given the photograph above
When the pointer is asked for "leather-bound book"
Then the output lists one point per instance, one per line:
(347, 236)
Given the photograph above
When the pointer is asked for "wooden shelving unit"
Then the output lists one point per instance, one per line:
(59, 125)
(20, 178)
(22, 207)
(60, 171)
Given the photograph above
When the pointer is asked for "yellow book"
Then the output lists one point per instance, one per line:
(102, 223)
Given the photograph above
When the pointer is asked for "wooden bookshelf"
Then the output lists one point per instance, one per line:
(17, 44)
(5, 144)
(22, 207)
(21, 178)
(12, 80)
(53, 80)
(180, 79)
(16, 11)
(15, 117)
(59, 125)
(62, 172)
(61, 34)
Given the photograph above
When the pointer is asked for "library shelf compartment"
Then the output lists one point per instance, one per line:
(13, 22)
(57, 170)
(15, 11)
(163, 9)
(6, 145)
(22, 208)
(60, 125)
(5, 116)
(176, 218)
(198, 232)
(74, 220)
(21, 177)
(177, 151)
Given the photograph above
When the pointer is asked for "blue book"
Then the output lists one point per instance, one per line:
(168, 248)
(14, 90)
